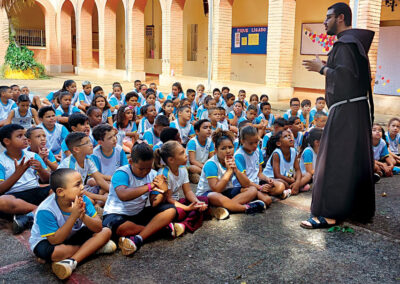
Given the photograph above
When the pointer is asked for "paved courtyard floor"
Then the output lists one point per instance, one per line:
(264, 248)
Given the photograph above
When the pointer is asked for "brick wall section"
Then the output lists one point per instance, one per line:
(67, 11)
(369, 15)
(3, 35)
(109, 53)
(85, 36)
(222, 32)
(281, 23)
(166, 31)
(137, 37)
(176, 36)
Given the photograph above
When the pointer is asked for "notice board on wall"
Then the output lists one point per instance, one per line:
(249, 40)
(387, 79)
(314, 39)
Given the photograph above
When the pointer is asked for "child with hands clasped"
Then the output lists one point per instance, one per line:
(190, 209)
(66, 229)
(283, 163)
(132, 187)
(216, 181)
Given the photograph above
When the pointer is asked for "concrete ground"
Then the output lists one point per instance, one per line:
(269, 248)
(43, 87)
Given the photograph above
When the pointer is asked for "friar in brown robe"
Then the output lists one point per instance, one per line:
(343, 180)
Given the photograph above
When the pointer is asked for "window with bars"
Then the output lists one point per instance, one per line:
(31, 37)
(192, 40)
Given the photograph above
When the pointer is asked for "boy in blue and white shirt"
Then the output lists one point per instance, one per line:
(68, 209)
(152, 136)
(6, 103)
(294, 109)
(183, 124)
(86, 96)
(320, 104)
(20, 170)
(393, 139)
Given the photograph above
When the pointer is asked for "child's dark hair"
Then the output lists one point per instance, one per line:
(292, 100)
(182, 108)
(77, 118)
(242, 91)
(161, 120)
(319, 99)
(168, 133)
(208, 99)
(97, 89)
(7, 130)
(143, 109)
(315, 134)
(28, 133)
(252, 107)
(262, 105)
(220, 135)
(319, 114)
(280, 122)
(221, 108)
(117, 85)
(67, 83)
(23, 98)
(56, 96)
(178, 85)
(13, 86)
(305, 102)
(225, 88)
(136, 81)
(190, 91)
(247, 131)
(239, 102)
(382, 132)
(229, 95)
(100, 131)
(216, 90)
(106, 106)
(43, 110)
(130, 95)
(271, 145)
(3, 89)
(57, 178)
(62, 95)
(150, 92)
(199, 123)
(121, 116)
(73, 139)
(253, 96)
(91, 109)
(264, 96)
(243, 123)
(184, 100)
(141, 152)
(292, 120)
(392, 120)
(164, 105)
(166, 151)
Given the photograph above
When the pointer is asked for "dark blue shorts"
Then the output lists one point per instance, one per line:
(230, 192)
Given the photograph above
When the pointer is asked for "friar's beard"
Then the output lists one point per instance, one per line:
(332, 30)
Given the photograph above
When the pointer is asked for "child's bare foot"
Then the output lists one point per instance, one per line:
(40, 260)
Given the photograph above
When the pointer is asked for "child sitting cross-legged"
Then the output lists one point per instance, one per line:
(216, 181)
(66, 229)
(81, 148)
(200, 148)
(20, 170)
(126, 213)
(190, 209)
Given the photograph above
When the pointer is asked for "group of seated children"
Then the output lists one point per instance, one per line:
(89, 170)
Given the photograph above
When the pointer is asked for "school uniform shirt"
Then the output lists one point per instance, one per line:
(393, 144)
(125, 176)
(75, 98)
(202, 114)
(71, 109)
(105, 115)
(298, 140)
(307, 157)
(270, 119)
(228, 109)
(288, 114)
(219, 126)
(202, 151)
(55, 137)
(175, 182)
(84, 98)
(254, 121)
(235, 144)
(313, 111)
(89, 167)
(381, 150)
(144, 125)
(225, 124)
(246, 104)
(303, 119)
(231, 115)
(248, 164)
(121, 135)
(221, 103)
(49, 219)
(201, 99)
(28, 180)
(265, 143)
(212, 169)
(159, 95)
(25, 121)
(181, 96)
(157, 146)
(194, 107)
(114, 101)
(185, 132)
(150, 137)
(107, 165)
(200, 110)
(50, 157)
(6, 108)
(286, 168)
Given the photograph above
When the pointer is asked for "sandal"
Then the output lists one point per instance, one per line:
(314, 225)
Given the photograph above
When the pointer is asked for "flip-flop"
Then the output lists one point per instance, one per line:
(314, 225)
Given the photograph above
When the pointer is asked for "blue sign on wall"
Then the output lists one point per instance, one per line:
(249, 40)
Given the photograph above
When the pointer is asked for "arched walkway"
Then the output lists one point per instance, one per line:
(89, 35)
(68, 37)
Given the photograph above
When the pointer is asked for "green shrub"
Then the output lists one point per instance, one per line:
(21, 58)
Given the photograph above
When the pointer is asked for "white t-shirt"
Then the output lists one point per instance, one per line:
(202, 151)
(393, 144)
(175, 182)
(249, 164)
(24, 121)
(88, 169)
(55, 138)
(307, 157)
(185, 132)
(286, 167)
(144, 125)
(108, 165)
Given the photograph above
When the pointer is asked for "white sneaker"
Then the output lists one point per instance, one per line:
(63, 269)
(109, 247)
(220, 213)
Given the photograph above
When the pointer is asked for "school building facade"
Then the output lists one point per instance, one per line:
(170, 38)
